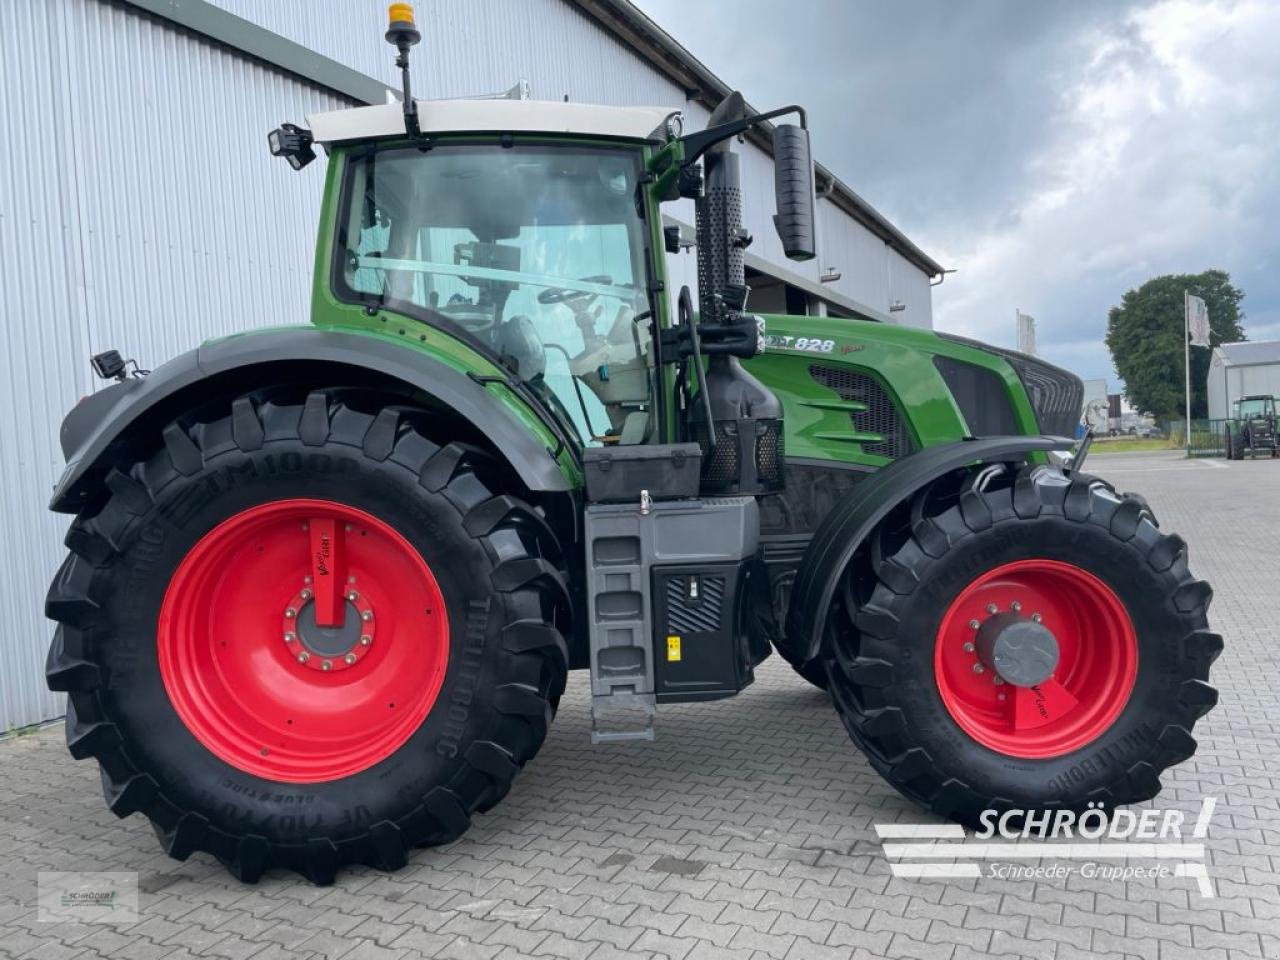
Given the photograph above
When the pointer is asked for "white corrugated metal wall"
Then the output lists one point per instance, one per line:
(139, 209)
(1227, 383)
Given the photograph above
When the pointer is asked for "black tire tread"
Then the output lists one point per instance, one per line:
(486, 770)
(860, 681)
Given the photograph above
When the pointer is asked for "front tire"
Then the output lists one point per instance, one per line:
(1120, 686)
(240, 727)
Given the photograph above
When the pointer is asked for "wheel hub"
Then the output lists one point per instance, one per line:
(328, 648)
(1035, 658)
(1020, 650)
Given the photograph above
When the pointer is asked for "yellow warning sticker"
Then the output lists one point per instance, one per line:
(673, 648)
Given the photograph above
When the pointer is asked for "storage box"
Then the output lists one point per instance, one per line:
(618, 474)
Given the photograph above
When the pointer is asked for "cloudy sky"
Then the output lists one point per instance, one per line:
(1055, 154)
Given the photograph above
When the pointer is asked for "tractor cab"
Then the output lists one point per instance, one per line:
(530, 247)
(530, 233)
(1247, 408)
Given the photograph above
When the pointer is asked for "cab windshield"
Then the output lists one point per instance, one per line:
(1253, 407)
(535, 251)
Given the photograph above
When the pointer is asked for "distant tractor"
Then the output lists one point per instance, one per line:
(1252, 428)
(324, 582)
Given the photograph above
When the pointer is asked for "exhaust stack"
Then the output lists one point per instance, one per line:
(739, 423)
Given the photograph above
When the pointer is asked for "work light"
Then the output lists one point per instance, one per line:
(293, 143)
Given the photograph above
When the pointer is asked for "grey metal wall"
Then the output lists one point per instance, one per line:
(139, 210)
(1216, 389)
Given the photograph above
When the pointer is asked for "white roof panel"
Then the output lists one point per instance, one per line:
(1247, 353)
(491, 116)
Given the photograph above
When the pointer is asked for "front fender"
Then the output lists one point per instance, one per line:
(101, 423)
(863, 508)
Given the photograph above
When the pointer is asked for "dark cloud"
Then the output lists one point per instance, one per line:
(1056, 154)
(929, 108)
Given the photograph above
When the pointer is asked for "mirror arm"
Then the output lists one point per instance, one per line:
(696, 144)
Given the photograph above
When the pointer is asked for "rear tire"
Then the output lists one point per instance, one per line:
(885, 661)
(497, 568)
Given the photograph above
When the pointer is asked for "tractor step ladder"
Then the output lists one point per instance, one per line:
(608, 720)
(628, 545)
(623, 696)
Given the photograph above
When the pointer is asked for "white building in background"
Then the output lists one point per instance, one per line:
(1026, 333)
(141, 211)
(1097, 408)
(1236, 370)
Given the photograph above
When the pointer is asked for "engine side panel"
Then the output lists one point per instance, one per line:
(840, 380)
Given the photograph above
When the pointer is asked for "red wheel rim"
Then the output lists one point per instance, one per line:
(1095, 672)
(259, 695)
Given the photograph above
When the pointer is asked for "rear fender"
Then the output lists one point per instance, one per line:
(102, 424)
(853, 518)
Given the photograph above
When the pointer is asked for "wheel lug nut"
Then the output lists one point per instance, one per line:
(303, 657)
(977, 668)
(290, 637)
(992, 608)
(366, 640)
(1015, 606)
(350, 658)
(1036, 617)
(997, 680)
(353, 596)
(968, 648)
(326, 664)
(291, 613)
(306, 594)
(367, 615)
(307, 578)
(974, 624)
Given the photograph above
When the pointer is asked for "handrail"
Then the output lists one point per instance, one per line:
(491, 273)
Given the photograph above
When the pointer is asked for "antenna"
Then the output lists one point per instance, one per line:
(403, 34)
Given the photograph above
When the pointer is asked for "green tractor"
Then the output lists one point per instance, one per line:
(325, 582)
(1253, 427)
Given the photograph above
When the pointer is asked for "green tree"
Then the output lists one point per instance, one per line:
(1145, 337)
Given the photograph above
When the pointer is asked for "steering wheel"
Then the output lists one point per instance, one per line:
(576, 299)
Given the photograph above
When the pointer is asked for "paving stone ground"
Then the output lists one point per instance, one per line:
(745, 830)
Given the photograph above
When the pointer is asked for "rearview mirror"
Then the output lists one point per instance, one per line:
(793, 189)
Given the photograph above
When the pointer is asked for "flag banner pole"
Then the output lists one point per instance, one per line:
(1186, 347)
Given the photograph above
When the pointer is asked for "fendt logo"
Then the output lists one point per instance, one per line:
(1093, 844)
(323, 554)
